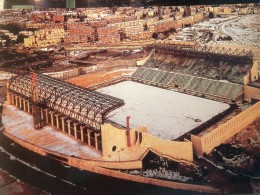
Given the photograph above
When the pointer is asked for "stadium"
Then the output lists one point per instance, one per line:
(171, 102)
(119, 98)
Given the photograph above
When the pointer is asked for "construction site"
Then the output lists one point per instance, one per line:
(121, 96)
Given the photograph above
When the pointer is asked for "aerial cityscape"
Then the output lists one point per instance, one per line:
(161, 96)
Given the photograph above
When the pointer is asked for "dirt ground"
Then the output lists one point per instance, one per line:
(234, 166)
(87, 80)
(249, 137)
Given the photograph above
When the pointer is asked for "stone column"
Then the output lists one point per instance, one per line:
(46, 114)
(41, 113)
(24, 104)
(69, 126)
(52, 120)
(9, 97)
(13, 98)
(20, 101)
(63, 123)
(81, 133)
(16, 101)
(96, 140)
(32, 106)
(75, 129)
(89, 131)
(57, 120)
(28, 106)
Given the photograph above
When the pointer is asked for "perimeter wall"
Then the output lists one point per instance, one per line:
(117, 138)
(178, 150)
(216, 137)
(251, 92)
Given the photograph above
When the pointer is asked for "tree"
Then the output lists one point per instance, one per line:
(8, 41)
(211, 15)
(20, 38)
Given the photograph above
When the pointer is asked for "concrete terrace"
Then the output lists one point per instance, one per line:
(19, 124)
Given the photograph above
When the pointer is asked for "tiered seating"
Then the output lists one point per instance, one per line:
(188, 66)
(199, 66)
(193, 84)
(160, 77)
(149, 75)
(181, 80)
(162, 57)
(167, 78)
(218, 88)
(138, 73)
(168, 59)
(211, 73)
(150, 62)
(198, 84)
(234, 92)
(167, 67)
(157, 64)
(194, 69)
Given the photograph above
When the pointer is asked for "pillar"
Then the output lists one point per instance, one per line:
(89, 131)
(57, 120)
(46, 114)
(24, 105)
(9, 97)
(32, 106)
(75, 129)
(42, 114)
(81, 133)
(96, 140)
(28, 106)
(13, 98)
(69, 126)
(20, 101)
(16, 101)
(63, 124)
(52, 120)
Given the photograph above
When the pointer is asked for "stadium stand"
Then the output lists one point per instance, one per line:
(214, 89)
(209, 68)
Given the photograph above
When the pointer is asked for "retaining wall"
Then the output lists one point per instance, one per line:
(206, 143)
(92, 166)
(175, 149)
(114, 137)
